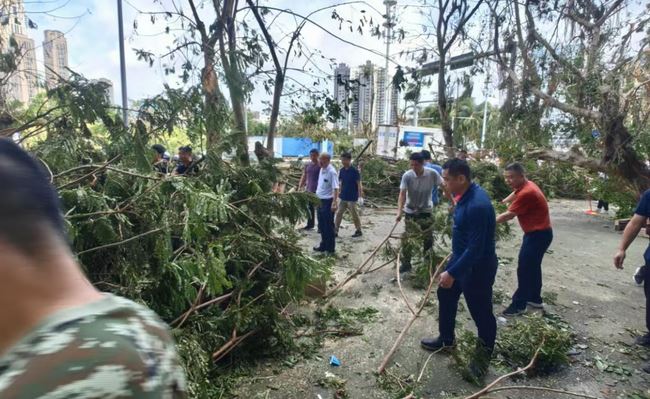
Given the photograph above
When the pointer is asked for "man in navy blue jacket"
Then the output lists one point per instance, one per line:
(472, 267)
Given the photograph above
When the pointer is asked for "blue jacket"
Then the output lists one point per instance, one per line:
(473, 242)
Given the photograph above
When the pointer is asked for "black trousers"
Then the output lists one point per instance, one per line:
(476, 287)
(603, 205)
(311, 215)
(646, 289)
(326, 225)
(529, 271)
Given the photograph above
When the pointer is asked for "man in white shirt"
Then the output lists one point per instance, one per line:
(415, 201)
(328, 192)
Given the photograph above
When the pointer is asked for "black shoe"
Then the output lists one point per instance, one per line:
(434, 344)
(639, 275)
(357, 233)
(513, 310)
(318, 249)
(643, 340)
(336, 235)
(404, 268)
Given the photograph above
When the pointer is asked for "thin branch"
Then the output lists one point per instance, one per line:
(543, 389)
(116, 244)
(97, 169)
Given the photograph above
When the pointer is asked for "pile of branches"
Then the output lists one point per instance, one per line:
(215, 255)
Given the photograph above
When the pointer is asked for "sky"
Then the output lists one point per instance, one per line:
(91, 29)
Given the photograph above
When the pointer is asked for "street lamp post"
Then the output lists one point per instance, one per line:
(388, 24)
(120, 23)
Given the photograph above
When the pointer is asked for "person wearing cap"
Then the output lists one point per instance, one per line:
(351, 194)
(414, 201)
(186, 164)
(59, 336)
(327, 191)
(161, 159)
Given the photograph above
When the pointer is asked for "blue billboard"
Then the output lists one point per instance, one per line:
(414, 139)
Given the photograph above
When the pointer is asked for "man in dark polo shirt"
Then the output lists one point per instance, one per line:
(186, 165)
(309, 180)
(351, 193)
(638, 221)
(530, 207)
(471, 269)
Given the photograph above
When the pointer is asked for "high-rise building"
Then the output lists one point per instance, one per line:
(380, 83)
(364, 100)
(342, 93)
(55, 57)
(21, 84)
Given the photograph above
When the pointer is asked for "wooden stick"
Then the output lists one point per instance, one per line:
(379, 267)
(399, 284)
(408, 325)
(194, 304)
(361, 266)
(424, 367)
(230, 345)
(529, 388)
(505, 376)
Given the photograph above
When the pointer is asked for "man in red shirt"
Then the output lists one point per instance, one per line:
(530, 207)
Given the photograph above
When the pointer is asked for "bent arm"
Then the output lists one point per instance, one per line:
(505, 216)
(631, 231)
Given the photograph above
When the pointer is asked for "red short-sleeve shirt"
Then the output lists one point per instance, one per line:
(531, 208)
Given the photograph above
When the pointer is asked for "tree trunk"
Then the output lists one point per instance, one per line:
(619, 153)
(275, 110)
(443, 108)
(214, 101)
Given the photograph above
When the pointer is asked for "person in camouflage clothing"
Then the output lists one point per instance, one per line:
(60, 338)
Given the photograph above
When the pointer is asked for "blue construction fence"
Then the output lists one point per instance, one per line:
(293, 146)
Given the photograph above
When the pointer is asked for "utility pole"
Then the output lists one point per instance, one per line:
(125, 112)
(388, 24)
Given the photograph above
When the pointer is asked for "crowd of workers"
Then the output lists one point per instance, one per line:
(472, 267)
(62, 338)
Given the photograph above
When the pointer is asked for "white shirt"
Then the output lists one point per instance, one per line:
(328, 181)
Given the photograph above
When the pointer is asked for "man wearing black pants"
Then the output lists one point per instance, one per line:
(309, 180)
(632, 229)
(471, 269)
(328, 192)
(530, 207)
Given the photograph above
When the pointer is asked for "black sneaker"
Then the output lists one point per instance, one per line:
(318, 249)
(643, 340)
(357, 233)
(536, 305)
(513, 310)
(434, 344)
(639, 274)
(404, 268)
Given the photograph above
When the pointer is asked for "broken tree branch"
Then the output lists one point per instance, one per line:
(363, 264)
(399, 284)
(408, 325)
(544, 389)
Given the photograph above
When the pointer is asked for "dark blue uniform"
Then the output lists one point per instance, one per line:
(643, 209)
(473, 265)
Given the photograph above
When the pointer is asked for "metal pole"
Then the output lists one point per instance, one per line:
(125, 112)
(415, 119)
(485, 107)
(387, 109)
